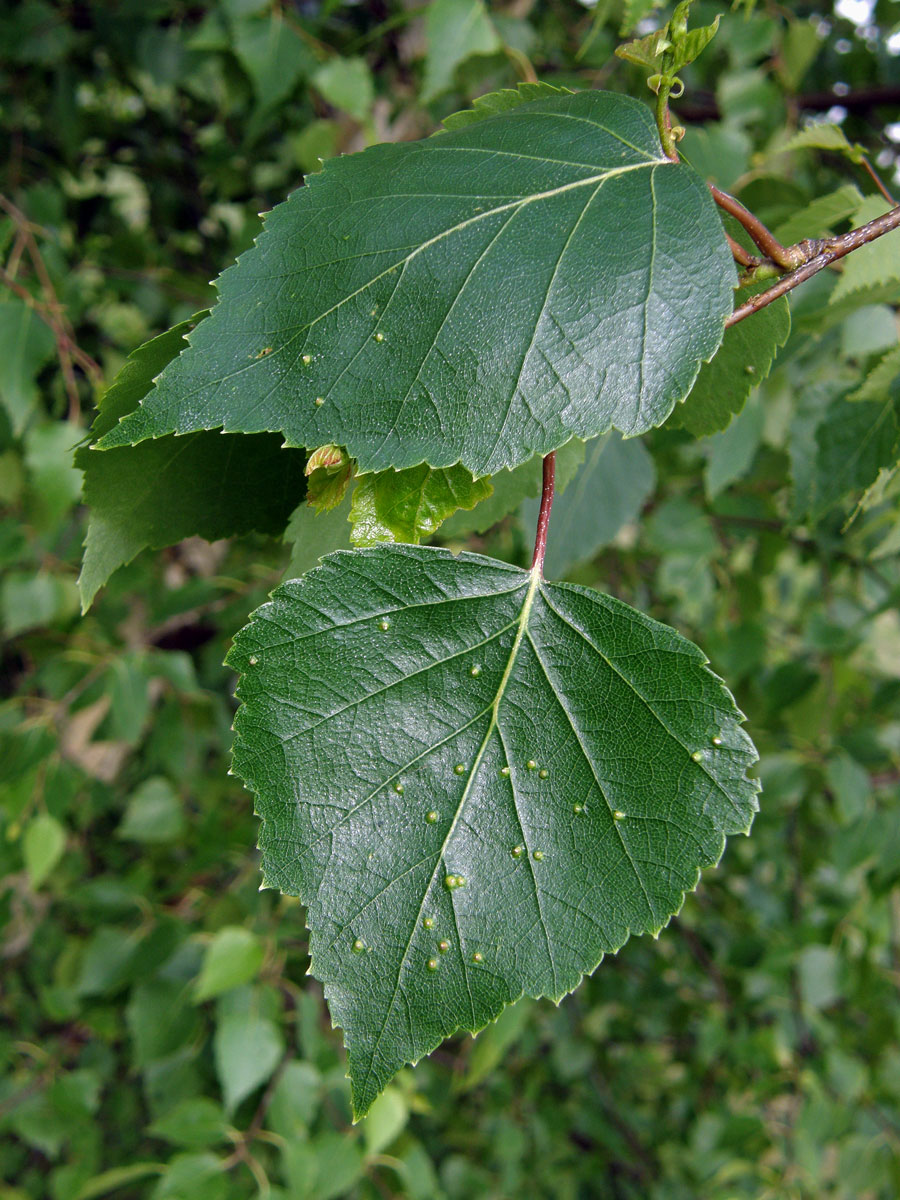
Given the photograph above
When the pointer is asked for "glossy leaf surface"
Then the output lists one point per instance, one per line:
(477, 782)
(476, 297)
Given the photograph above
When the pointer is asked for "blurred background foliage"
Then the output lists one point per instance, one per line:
(158, 1035)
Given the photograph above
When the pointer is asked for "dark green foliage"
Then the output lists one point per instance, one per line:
(478, 783)
(159, 1034)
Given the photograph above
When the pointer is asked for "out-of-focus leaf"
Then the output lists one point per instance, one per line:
(743, 360)
(455, 30)
(248, 1048)
(43, 844)
(346, 83)
(874, 264)
(232, 958)
(26, 345)
(154, 813)
(608, 492)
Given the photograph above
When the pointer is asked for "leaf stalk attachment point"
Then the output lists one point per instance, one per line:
(543, 521)
(787, 257)
(824, 253)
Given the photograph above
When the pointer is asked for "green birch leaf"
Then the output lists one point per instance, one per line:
(608, 492)
(853, 443)
(26, 344)
(346, 83)
(823, 136)
(477, 297)
(873, 265)
(821, 216)
(455, 30)
(743, 361)
(311, 535)
(493, 103)
(274, 56)
(405, 506)
(879, 380)
(161, 491)
(329, 470)
(478, 783)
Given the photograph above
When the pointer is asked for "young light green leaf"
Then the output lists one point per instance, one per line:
(167, 489)
(247, 1049)
(647, 51)
(477, 297)
(455, 30)
(690, 45)
(329, 470)
(823, 136)
(42, 847)
(743, 361)
(232, 958)
(608, 492)
(405, 506)
(872, 265)
(478, 783)
(347, 84)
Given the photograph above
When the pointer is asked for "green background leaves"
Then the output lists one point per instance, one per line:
(478, 783)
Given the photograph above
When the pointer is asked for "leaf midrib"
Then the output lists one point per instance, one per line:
(492, 725)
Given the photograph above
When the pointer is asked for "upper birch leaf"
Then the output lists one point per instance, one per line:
(476, 297)
(477, 782)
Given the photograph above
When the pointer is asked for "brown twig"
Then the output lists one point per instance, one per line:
(876, 179)
(783, 256)
(49, 309)
(823, 254)
(540, 536)
(742, 256)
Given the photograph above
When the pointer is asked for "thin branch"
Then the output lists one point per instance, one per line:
(784, 256)
(703, 107)
(740, 255)
(87, 364)
(50, 311)
(876, 179)
(540, 536)
(828, 251)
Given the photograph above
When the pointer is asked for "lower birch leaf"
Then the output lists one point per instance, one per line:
(477, 782)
